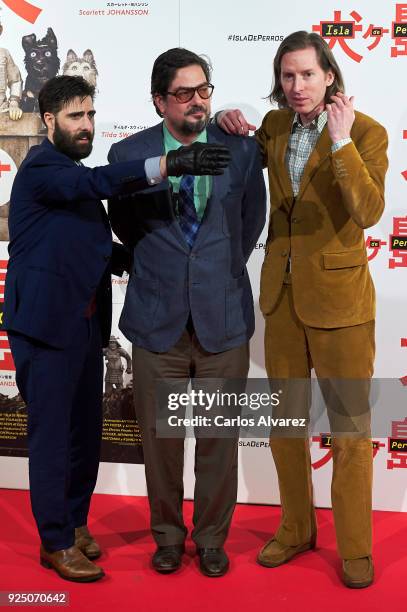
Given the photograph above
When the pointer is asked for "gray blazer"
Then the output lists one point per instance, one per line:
(169, 280)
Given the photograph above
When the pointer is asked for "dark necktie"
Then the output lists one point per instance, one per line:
(188, 218)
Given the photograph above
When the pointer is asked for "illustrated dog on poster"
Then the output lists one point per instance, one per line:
(42, 63)
(10, 79)
(84, 66)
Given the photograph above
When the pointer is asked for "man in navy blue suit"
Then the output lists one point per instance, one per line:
(58, 309)
(189, 307)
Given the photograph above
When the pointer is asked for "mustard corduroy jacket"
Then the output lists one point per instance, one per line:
(321, 229)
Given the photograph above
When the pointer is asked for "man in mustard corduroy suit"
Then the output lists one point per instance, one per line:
(326, 165)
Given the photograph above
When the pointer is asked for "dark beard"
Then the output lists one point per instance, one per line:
(70, 146)
(187, 128)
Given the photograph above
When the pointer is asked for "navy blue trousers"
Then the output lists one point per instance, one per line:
(63, 390)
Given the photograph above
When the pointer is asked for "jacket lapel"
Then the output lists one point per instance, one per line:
(280, 151)
(154, 140)
(154, 145)
(321, 151)
(220, 187)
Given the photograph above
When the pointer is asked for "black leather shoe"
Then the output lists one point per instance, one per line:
(167, 559)
(213, 562)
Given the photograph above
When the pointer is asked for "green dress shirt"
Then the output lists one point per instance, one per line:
(202, 184)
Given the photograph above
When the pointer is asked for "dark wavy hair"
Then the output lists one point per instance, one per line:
(60, 90)
(303, 40)
(166, 66)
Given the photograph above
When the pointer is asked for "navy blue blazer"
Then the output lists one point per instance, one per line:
(61, 243)
(169, 280)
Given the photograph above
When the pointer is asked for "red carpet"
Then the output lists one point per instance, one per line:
(309, 583)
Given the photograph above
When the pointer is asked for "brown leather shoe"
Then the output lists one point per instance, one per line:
(86, 543)
(358, 573)
(274, 553)
(71, 564)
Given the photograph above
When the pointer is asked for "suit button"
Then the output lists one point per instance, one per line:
(192, 256)
(295, 220)
(284, 253)
(106, 257)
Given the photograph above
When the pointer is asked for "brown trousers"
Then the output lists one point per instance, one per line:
(292, 349)
(215, 458)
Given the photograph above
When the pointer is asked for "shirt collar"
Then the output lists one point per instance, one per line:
(318, 123)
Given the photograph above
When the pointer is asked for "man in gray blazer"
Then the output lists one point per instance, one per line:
(189, 308)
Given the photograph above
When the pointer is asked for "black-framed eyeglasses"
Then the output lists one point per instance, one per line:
(185, 94)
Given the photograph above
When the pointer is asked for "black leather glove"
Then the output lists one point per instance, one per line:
(198, 158)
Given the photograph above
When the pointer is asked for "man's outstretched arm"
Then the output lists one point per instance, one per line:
(54, 179)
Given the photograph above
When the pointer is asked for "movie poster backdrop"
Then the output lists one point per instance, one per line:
(113, 45)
